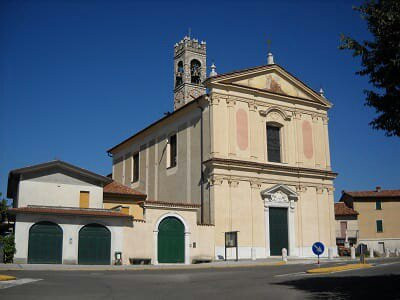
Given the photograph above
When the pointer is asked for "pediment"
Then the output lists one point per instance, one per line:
(271, 79)
(279, 193)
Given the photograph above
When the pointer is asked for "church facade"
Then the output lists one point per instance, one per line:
(246, 152)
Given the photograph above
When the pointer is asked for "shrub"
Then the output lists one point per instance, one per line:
(8, 248)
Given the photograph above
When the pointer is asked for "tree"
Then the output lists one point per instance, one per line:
(380, 60)
(3, 209)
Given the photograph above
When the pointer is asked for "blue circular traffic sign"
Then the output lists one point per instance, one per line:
(318, 248)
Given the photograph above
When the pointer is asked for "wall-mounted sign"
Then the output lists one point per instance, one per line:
(231, 239)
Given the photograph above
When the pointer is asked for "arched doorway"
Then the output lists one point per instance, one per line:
(45, 243)
(94, 246)
(171, 241)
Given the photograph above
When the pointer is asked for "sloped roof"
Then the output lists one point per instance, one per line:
(341, 209)
(120, 189)
(375, 193)
(68, 211)
(14, 175)
(164, 118)
(172, 204)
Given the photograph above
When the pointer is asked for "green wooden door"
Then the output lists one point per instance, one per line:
(45, 244)
(278, 230)
(171, 241)
(94, 246)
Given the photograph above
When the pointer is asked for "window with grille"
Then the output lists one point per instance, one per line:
(273, 143)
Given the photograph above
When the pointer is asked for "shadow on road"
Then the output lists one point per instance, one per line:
(354, 287)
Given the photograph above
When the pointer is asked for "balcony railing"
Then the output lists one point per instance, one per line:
(349, 234)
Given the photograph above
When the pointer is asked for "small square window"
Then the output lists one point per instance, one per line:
(378, 205)
(379, 226)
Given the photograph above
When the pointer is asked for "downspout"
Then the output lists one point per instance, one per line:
(201, 166)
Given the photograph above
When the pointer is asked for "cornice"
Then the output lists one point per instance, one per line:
(252, 166)
(257, 182)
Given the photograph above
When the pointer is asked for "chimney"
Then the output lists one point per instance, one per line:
(378, 189)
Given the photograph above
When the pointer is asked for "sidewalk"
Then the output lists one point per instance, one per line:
(216, 264)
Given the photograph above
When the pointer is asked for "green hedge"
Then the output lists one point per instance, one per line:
(8, 248)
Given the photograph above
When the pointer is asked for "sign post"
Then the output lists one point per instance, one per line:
(318, 248)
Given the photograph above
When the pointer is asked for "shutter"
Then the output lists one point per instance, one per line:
(379, 226)
(273, 144)
(135, 167)
(84, 200)
(378, 205)
(173, 150)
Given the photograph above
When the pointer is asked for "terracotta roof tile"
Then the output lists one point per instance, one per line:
(341, 209)
(172, 204)
(381, 193)
(117, 188)
(68, 211)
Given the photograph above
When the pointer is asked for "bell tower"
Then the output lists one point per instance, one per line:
(189, 70)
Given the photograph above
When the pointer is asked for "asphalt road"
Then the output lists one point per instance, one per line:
(268, 282)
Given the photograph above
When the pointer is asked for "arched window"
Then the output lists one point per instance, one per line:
(274, 143)
(195, 71)
(179, 74)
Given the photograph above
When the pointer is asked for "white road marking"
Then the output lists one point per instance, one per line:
(387, 264)
(11, 283)
(291, 274)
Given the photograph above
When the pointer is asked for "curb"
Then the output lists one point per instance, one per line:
(6, 278)
(338, 268)
(159, 268)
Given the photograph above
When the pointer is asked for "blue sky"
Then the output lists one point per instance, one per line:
(77, 77)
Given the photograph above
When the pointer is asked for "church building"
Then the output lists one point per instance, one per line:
(248, 149)
(242, 160)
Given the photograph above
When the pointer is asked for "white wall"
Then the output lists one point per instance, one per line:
(70, 226)
(57, 190)
(390, 244)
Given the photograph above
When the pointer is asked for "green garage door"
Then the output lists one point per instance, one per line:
(171, 241)
(94, 246)
(278, 230)
(45, 244)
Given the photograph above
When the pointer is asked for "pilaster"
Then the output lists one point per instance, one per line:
(326, 140)
(231, 102)
(253, 130)
(299, 136)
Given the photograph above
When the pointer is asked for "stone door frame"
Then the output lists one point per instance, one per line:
(280, 196)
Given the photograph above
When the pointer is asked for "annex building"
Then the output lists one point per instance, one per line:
(246, 152)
